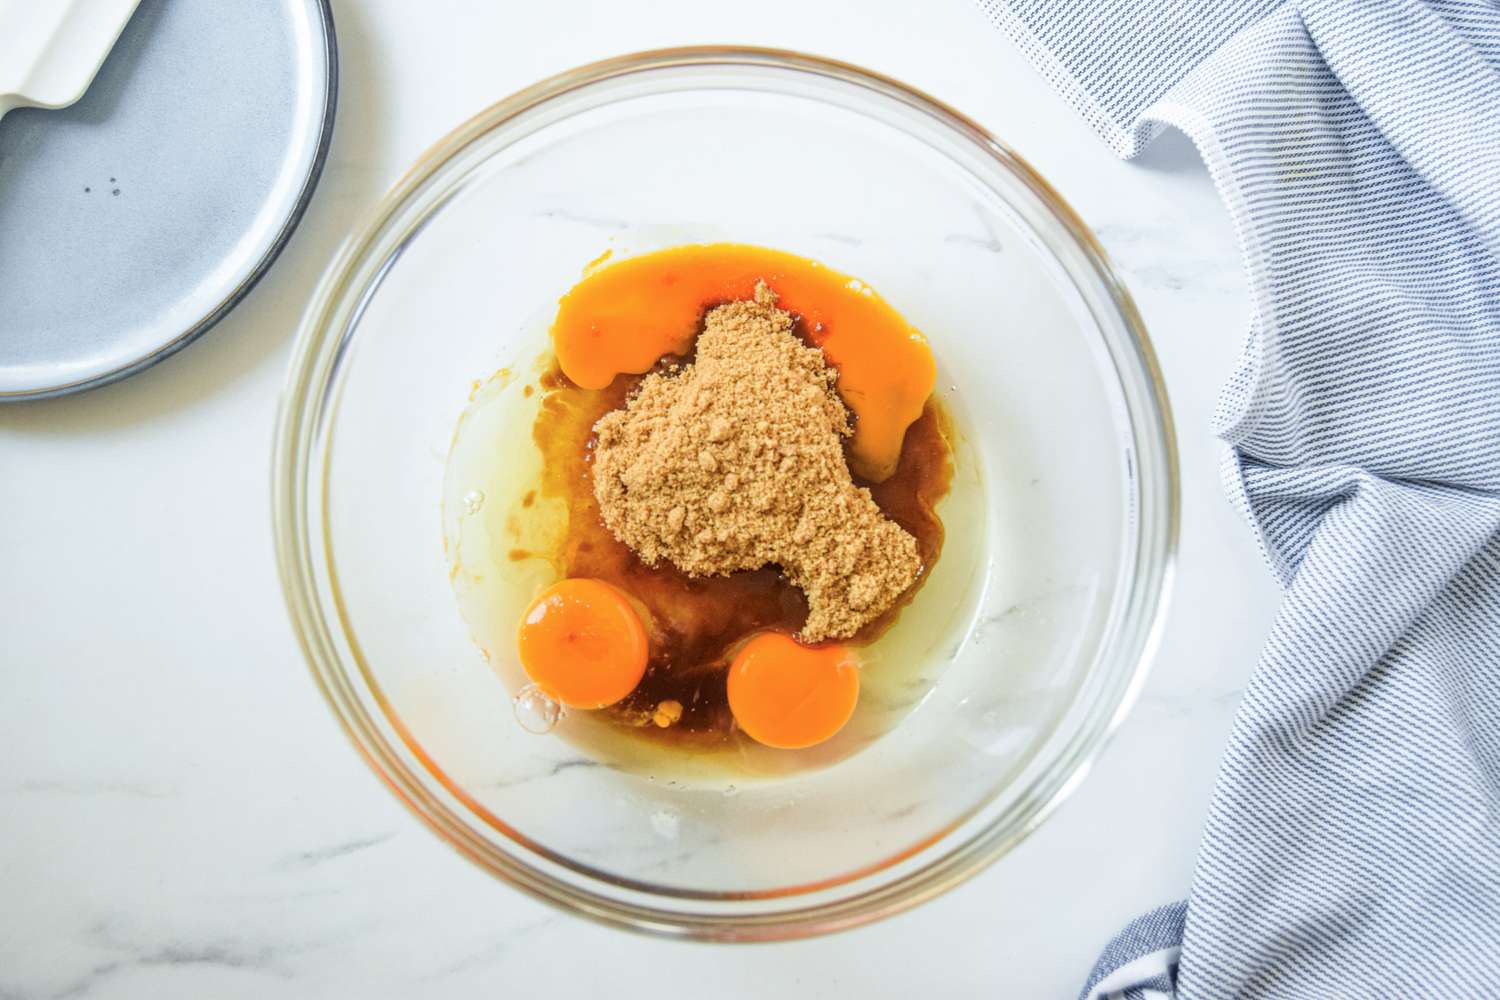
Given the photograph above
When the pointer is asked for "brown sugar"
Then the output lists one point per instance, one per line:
(736, 461)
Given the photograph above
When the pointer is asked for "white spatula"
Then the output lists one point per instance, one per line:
(51, 49)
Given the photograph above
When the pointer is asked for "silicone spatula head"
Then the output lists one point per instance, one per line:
(51, 49)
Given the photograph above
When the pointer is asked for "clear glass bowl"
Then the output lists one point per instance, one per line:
(1042, 359)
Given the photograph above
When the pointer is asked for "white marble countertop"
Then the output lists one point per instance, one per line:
(181, 817)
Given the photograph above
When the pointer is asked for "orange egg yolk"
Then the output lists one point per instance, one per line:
(583, 644)
(790, 696)
(624, 317)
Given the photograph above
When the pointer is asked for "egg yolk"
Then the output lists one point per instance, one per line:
(790, 696)
(583, 644)
(625, 316)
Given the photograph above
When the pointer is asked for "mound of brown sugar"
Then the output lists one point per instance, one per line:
(736, 462)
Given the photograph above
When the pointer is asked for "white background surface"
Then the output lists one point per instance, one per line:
(180, 815)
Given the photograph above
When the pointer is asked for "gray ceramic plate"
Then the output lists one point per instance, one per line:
(134, 220)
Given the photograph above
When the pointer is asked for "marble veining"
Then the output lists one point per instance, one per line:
(131, 789)
(988, 239)
(128, 955)
(583, 218)
(332, 852)
(990, 244)
(1162, 260)
(549, 769)
(492, 952)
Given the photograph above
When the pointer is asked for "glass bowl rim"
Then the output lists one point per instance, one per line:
(303, 404)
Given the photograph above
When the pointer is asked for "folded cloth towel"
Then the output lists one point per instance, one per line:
(1352, 847)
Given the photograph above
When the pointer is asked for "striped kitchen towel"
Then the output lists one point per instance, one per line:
(1352, 847)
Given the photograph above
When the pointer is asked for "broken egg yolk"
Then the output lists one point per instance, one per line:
(625, 316)
(789, 696)
(582, 642)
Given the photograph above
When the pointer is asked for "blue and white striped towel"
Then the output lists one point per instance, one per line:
(1352, 847)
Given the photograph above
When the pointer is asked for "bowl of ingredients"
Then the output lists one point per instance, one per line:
(725, 493)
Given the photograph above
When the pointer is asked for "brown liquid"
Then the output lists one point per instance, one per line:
(697, 621)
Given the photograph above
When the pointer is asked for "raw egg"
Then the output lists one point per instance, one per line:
(625, 316)
(583, 644)
(790, 696)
